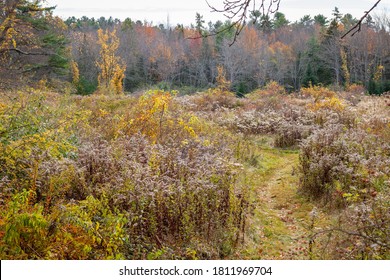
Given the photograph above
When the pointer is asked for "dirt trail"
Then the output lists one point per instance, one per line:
(281, 218)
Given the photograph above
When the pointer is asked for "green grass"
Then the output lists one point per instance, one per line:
(279, 226)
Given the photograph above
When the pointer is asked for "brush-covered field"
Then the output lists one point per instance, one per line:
(202, 176)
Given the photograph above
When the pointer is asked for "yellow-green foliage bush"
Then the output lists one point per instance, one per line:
(23, 229)
(31, 133)
(324, 98)
(332, 103)
(318, 92)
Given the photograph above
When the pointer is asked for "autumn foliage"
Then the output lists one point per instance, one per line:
(134, 142)
(113, 178)
(112, 70)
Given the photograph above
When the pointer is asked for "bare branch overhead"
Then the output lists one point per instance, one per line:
(237, 11)
(358, 27)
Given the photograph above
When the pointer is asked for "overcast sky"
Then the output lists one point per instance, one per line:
(183, 11)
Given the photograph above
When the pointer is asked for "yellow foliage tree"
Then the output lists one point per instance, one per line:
(112, 70)
(116, 83)
(75, 72)
(222, 82)
(152, 108)
(379, 73)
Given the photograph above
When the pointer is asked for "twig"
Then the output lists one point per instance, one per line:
(27, 53)
(238, 9)
(358, 27)
(216, 33)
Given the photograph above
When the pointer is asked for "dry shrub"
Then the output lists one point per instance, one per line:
(219, 97)
(290, 134)
(353, 94)
(360, 231)
(170, 194)
(345, 164)
(113, 177)
(356, 89)
(375, 118)
(271, 88)
(177, 193)
(255, 122)
(216, 99)
(338, 163)
(289, 123)
(271, 97)
(367, 228)
(298, 123)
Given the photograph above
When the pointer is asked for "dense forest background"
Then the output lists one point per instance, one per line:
(36, 44)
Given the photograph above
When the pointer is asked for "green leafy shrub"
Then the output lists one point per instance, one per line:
(23, 229)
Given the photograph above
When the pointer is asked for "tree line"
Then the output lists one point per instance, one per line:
(306, 52)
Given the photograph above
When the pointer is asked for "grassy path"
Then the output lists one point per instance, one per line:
(281, 218)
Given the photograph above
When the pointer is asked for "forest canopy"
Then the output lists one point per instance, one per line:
(35, 45)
